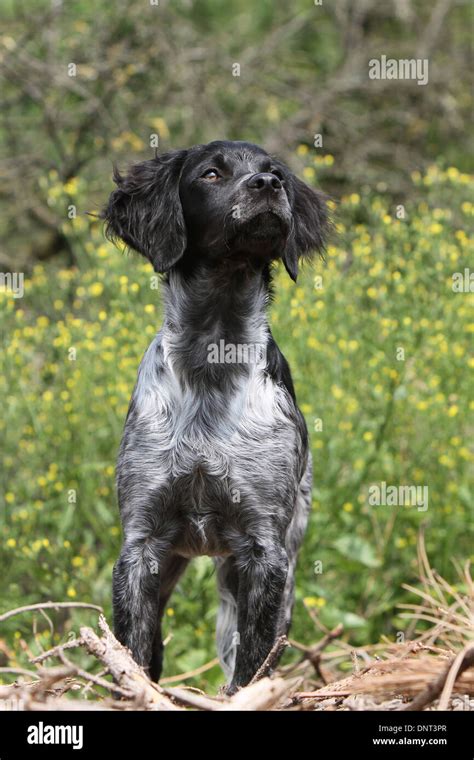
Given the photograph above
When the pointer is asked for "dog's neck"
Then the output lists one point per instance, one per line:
(215, 325)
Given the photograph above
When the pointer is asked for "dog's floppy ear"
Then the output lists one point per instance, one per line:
(310, 225)
(145, 210)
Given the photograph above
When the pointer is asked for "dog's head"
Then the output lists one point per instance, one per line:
(220, 201)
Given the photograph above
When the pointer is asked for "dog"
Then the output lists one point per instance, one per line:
(214, 458)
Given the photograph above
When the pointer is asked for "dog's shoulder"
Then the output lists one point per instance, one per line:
(150, 374)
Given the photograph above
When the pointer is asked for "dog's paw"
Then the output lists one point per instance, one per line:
(231, 689)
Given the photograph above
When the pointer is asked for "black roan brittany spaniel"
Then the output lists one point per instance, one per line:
(214, 458)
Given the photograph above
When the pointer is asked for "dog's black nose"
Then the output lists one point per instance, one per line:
(264, 182)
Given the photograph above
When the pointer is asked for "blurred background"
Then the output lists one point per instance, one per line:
(143, 69)
(89, 84)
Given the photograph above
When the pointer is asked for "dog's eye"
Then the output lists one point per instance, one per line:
(277, 174)
(211, 175)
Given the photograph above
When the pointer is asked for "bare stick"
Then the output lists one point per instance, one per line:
(314, 695)
(462, 662)
(190, 673)
(262, 695)
(48, 606)
(50, 676)
(272, 658)
(20, 672)
(201, 702)
(123, 668)
(313, 654)
(97, 680)
(54, 652)
(355, 662)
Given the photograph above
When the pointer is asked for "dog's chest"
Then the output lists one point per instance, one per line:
(206, 444)
(203, 461)
(213, 430)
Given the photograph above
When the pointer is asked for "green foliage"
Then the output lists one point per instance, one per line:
(145, 72)
(386, 285)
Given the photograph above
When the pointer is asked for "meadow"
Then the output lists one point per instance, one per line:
(378, 341)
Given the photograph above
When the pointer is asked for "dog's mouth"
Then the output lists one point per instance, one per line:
(266, 224)
(262, 234)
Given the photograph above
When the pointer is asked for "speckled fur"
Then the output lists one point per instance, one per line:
(214, 460)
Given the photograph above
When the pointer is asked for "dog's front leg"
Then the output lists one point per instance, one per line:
(263, 569)
(136, 585)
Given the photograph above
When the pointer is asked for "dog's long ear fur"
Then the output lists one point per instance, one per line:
(145, 210)
(310, 226)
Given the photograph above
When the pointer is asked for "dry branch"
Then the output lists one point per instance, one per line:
(123, 668)
(262, 695)
(445, 682)
(48, 606)
(433, 670)
(272, 658)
